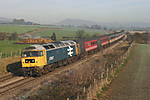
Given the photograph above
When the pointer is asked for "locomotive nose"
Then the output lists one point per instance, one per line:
(29, 60)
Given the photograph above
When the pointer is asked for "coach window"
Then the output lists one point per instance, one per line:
(92, 43)
(86, 45)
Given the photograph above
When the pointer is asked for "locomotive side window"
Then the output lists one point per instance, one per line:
(51, 46)
(57, 45)
(66, 43)
(72, 43)
(61, 44)
(46, 47)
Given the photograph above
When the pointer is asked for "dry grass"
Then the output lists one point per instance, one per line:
(4, 62)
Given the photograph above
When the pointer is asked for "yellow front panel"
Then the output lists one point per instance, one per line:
(39, 61)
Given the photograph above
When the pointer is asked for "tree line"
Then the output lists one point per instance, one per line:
(8, 36)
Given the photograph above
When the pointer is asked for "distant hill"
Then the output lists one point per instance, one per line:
(114, 25)
(5, 20)
(76, 22)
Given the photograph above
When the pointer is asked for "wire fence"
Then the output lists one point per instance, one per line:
(105, 78)
(10, 54)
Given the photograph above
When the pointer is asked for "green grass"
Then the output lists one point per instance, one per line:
(17, 28)
(69, 31)
(9, 46)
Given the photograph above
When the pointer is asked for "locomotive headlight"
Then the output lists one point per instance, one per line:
(29, 60)
(32, 61)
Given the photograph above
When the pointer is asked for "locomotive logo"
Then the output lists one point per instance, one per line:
(51, 58)
(70, 51)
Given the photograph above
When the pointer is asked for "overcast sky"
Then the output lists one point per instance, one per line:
(52, 11)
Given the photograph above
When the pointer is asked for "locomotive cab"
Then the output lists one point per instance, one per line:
(33, 56)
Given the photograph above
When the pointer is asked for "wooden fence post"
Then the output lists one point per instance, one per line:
(3, 55)
(78, 98)
(84, 90)
(19, 52)
(11, 54)
(68, 99)
(0, 54)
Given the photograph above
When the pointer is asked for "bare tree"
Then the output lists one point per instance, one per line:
(80, 33)
(53, 37)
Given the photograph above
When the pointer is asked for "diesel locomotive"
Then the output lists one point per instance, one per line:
(40, 59)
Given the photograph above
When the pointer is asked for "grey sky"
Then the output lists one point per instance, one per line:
(51, 11)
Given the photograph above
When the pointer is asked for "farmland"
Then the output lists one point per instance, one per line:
(9, 49)
(43, 31)
(69, 31)
(17, 28)
(50, 29)
(6, 46)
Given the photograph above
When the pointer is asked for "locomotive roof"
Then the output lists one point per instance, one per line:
(69, 41)
(35, 47)
(58, 44)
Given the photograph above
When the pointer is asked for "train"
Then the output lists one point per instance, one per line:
(40, 59)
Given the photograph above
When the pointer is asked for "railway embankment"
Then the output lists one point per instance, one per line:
(99, 89)
(81, 78)
(116, 61)
(133, 82)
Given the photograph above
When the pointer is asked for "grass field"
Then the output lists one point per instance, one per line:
(17, 28)
(9, 49)
(68, 31)
(7, 46)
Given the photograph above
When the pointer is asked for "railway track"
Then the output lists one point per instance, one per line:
(13, 84)
(6, 77)
(9, 82)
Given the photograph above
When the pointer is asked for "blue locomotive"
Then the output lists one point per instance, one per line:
(42, 58)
